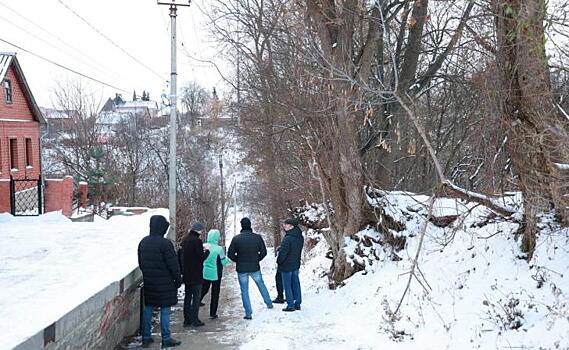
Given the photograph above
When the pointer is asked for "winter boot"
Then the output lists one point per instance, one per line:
(146, 342)
(168, 343)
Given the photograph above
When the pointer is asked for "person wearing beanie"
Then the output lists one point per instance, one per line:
(247, 249)
(162, 278)
(213, 270)
(192, 256)
(288, 262)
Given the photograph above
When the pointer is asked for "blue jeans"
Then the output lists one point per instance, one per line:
(243, 278)
(164, 322)
(291, 284)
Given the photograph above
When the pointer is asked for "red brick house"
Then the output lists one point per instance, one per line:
(20, 123)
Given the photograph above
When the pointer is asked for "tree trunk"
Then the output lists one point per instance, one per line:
(537, 133)
(346, 63)
(346, 190)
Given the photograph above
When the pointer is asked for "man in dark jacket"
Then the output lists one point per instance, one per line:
(162, 278)
(192, 255)
(288, 261)
(247, 249)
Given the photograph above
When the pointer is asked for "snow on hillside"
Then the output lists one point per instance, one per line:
(475, 291)
(49, 265)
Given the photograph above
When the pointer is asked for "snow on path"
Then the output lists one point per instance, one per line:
(49, 265)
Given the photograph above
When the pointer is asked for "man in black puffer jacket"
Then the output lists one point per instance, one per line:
(192, 257)
(162, 278)
(288, 261)
(247, 249)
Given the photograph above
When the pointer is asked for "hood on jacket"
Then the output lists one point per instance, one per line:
(158, 225)
(213, 236)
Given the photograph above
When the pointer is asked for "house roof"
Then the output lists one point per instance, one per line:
(51, 113)
(8, 59)
(113, 118)
(139, 104)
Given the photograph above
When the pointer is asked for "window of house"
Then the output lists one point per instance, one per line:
(8, 91)
(13, 153)
(29, 158)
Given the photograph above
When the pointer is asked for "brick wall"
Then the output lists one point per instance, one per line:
(58, 195)
(19, 108)
(17, 122)
(4, 196)
(83, 191)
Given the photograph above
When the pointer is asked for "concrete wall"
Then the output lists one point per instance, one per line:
(99, 323)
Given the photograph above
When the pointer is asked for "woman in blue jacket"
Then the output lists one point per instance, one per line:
(213, 270)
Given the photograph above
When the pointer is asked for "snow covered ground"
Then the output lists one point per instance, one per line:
(49, 265)
(475, 293)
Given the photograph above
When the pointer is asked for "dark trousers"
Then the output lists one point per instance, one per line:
(192, 303)
(215, 289)
(279, 284)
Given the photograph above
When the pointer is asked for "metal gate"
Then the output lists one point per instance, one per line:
(26, 197)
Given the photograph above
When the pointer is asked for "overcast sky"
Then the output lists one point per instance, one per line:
(140, 28)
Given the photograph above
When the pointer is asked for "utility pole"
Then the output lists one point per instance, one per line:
(173, 105)
(238, 68)
(235, 208)
(222, 198)
(238, 86)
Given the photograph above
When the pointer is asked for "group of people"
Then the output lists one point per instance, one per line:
(199, 267)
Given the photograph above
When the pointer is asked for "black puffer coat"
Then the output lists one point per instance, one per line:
(290, 251)
(160, 270)
(247, 249)
(192, 256)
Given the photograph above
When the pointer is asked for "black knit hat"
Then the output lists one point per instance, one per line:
(291, 221)
(197, 227)
(245, 223)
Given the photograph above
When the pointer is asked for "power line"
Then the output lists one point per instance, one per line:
(51, 45)
(110, 40)
(62, 66)
(98, 65)
(209, 62)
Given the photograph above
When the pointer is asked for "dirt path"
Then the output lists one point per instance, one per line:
(222, 333)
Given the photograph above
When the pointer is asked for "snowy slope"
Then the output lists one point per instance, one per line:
(49, 265)
(475, 293)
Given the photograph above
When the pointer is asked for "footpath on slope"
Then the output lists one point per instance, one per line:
(222, 333)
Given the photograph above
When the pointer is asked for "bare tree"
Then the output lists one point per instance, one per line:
(538, 135)
(193, 99)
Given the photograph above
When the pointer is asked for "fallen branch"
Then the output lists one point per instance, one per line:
(415, 263)
(446, 183)
(451, 190)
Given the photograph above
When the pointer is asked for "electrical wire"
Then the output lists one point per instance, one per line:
(49, 44)
(98, 65)
(110, 40)
(62, 66)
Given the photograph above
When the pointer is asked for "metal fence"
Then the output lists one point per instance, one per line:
(26, 197)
